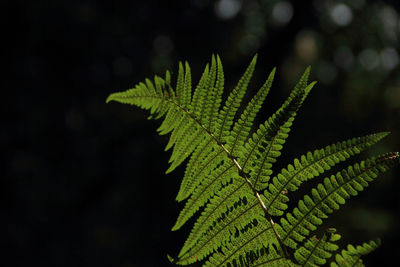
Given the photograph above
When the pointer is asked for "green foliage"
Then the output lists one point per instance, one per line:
(229, 172)
(352, 255)
(316, 251)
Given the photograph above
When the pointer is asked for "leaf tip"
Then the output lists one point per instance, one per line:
(110, 98)
(253, 61)
(171, 259)
(175, 227)
(384, 134)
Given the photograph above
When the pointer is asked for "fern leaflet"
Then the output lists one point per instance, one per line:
(352, 255)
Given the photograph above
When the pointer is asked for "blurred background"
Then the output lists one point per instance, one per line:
(82, 182)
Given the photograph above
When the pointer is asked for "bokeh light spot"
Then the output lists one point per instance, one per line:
(390, 23)
(227, 9)
(306, 46)
(369, 59)
(341, 14)
(390, 58)
(282, 12)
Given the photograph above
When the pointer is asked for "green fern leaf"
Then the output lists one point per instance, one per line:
(182, 117)
(311, 165)
(214, 95)
(235, 252)
(183, 89)
(322, 160)
(210, 93)
(316, 251)
(232, 195)
(185, 123)
(329, 195)
(242, 127)
(270, 257)
(227, 113)
(160, 84)
(199, 94)
(189, 132)
(352, 255)
(180, 85)
(265, 145)
(187, 98)
(226, 227)
(229, 169)
(225, 119)
(207, 189)
(206, 220)
(208, 99)
(197, 165)
(219, 88)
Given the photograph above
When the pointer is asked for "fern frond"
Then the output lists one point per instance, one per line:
(329, 195)
(265, 145)
(214, 96)
(220, 205)
(229, 172)
(200, 94)
(211, 157)
(316, 251)
(169, 94)
(242, 127)
(222, 233)
(225, 228)
(184, 90)
(170, 122)
(183, 123)
(352, 255)
(190, 132)
(211, 184)
(312, 165)
(234, 252)
(207, 118)
(205, 113)
(196, 166)
(188, 135)
(185, 140)
(187, 96)
(228, 111)
(160, 85)
(209, 98)
(270, 257)
(180, 85)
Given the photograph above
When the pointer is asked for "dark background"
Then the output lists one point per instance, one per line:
(83, 182)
